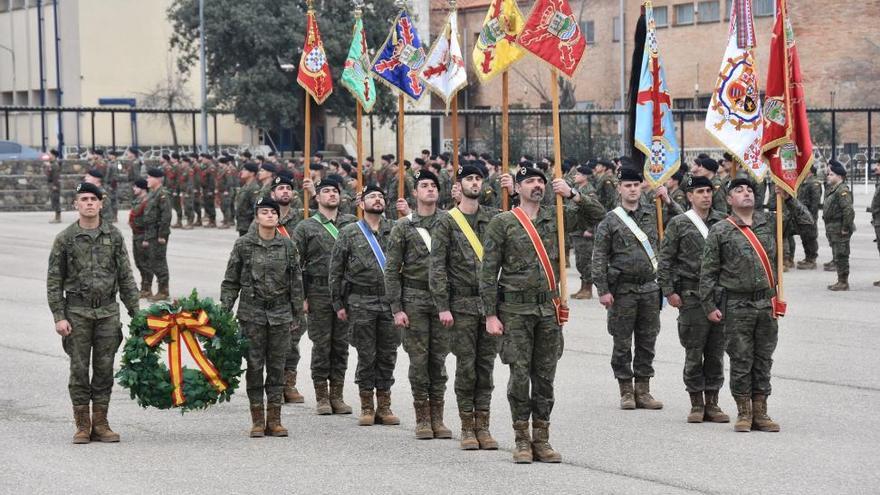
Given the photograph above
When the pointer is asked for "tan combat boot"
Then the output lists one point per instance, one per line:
(644, 399)
(161, 293)
(291, 394)
(541, 448)
(322, 397)
(714, 413)
(627, 397)
(57, 218)
(831, 266)
(698, 408)
(806, 264)
(258, 421)
(481, 428)
(337, 404)
(384, 415)
(423, 420)
(586, 291)
(274, 428)
(522, 454)
(146, 290)
(368, 411)
(468, 439)
(744, 413)
(440, 430)
(787, 263)
(841, 285)
(83, 424)
(760, 420)
(100, 427)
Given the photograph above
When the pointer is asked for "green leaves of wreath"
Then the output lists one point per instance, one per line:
(146, 376)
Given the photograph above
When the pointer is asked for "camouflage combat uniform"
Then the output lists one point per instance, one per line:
(583, 244)
(53, 177)
(719, 195)
(839, 216)
(157, 225)
(245, 199)
(810, 195)
(138, 252)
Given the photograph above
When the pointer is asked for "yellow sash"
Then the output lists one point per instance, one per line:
(468, 232)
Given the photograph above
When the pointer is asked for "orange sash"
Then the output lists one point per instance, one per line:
(541, 251)
(778, 306)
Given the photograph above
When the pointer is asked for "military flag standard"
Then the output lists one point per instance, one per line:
(443, 72)
(314, 71)
(786, 142)
(496, 49)
(401, 58)
(654, 125)
(552, 34)
(356, 75)
(734, 116)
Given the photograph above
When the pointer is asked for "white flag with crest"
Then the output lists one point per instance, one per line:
(444, 72)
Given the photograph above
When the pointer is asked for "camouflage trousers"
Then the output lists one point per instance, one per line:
(96, 341)
(376, 339)
(297, 330)
(157, 260)
(330, 338)
(583, 255)
(208, 206)
(226, 207)
(475, 352)
(840, 251)
(752, 334)
(177, 206)
(636, 317)
(531, 346)
(703, 343)
(189, 208)
(55, 197)
(809, 242)
(141, 259)
(427, 344)
(267, 348)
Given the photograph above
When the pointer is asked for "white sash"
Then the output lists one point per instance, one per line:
(698, 222)
(638, 232)
(426, 236)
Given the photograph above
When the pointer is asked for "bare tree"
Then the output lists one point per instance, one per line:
(170, 93)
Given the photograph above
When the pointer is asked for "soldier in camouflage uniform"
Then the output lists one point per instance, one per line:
(737, 291)
(582, 241)
(53, 177)
(624, 270)
(408, 291)
(96, 177)
(170, 165)
(874, 209)
(87, 264)
(314, 238)
(224, 190)
(520, 308)
(810, 195)
(678, 274)
(207, 173)
(247, 195)
(839, 216)
(138, 229)
(357, 290)
(187, 185)
(108, 181)
(606, 188)
(708, 168)
(264, 270)
(157, 223)
(678, 198)
(796, 219)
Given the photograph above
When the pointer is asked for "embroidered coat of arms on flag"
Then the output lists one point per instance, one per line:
(496, 48)
(314, 71)
(443, 72)
(786, 142)
(356, 75)
(654, 125)
(401, 58)
(734, 116)
(552, 34)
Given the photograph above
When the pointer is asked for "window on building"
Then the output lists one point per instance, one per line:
(661, 17)
(584, 105)
(615, 29)
(684, 104)
(764, 8)
(728, 5)
(684, 14)
(18, 4)
(704, 101)
(709, 11)
(589, 30)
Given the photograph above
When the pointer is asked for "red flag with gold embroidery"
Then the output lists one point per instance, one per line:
(552, 34)
(314, 71)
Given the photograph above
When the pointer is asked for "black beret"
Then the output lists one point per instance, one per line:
(525, 172)
(740, 181)
(695, 182)
(167, 158)
(156, 172)
(97, 152)
(141, 183)
(837, 167)
(54, 153)
(113, 152)
(604, 163)
(585, 170)
(268, 167)
(272, 153)
(709, 164)
(223, 159)
(629, 174)
(469, 169)
(426, 175)
(87, 187)
(287, 174)
(373, 188)
(186, 159)
(346, 167)
(329, 181)
(528, 158)
(246, 154)
(251, 167)
(420, 161)
(282, 180)
(678, 175)
(96, 173)
(267, 202)
(175, 155)
(134, 151)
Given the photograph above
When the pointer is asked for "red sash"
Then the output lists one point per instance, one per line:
(283, 231)
(541, 251)
(778, 306)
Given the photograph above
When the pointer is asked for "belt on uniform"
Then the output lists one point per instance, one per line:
(409, 283)
(526, 297)
(317, 281)
(758, 295)
(266, 304)
(685, 284)
(464, 291)
(629, 279)
(77, 300)
(367, 290)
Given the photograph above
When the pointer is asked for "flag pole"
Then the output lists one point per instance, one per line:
(400, 167)
(557, 174)
(505, 141)
(659, 204)
(779, 248)
(360, 153)
(455, 137)
(307, 152)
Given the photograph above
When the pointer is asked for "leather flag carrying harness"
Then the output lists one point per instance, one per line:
(468, 232)
(778, 307)
(541, 251)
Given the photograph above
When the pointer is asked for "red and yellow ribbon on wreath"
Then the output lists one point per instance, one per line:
(179, 326)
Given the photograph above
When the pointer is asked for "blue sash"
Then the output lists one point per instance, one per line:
(374, 244)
